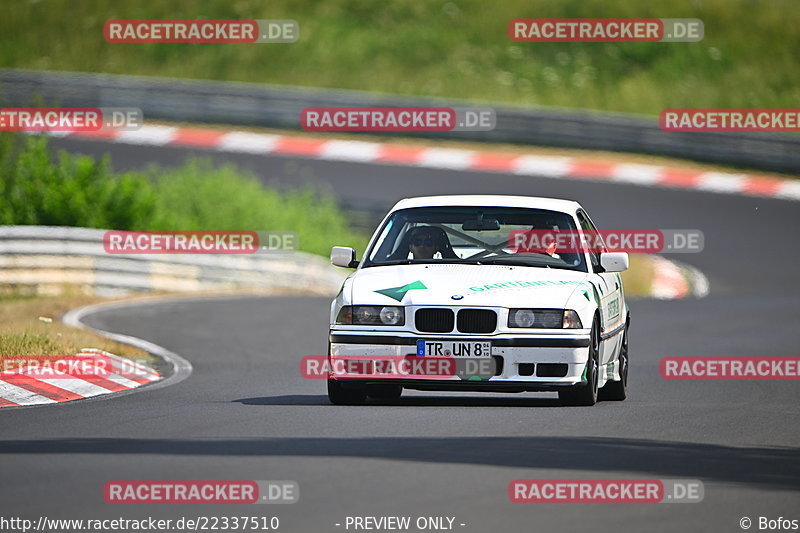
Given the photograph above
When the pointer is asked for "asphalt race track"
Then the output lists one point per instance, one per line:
(246, 413)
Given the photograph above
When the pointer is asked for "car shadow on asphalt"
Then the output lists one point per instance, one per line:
(767, 467)
(410, 401)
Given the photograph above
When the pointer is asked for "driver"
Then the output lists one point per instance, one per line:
(423, 244)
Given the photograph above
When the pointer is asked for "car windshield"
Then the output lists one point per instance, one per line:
(470, 235)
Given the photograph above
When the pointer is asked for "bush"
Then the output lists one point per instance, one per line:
(35, 189)
(74, 190)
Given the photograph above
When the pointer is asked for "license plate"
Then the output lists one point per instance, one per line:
(454, 348)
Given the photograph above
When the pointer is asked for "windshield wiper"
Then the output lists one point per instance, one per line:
(513, 262)
(416, 262)
(520, 262)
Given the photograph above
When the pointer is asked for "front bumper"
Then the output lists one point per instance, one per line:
(523, 363)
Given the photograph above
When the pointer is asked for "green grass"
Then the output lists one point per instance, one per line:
(750, 56)
(38, 188)
(28, 342)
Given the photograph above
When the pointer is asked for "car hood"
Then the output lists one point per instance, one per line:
(467, 285)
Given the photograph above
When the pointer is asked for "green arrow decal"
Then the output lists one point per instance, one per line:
(397, 293)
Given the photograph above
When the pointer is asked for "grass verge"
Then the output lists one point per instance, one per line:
(30, 325)
(455, 48)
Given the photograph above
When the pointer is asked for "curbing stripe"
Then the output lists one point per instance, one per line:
(790, 190)
(668, 281)
(454, 158)
(542, 165)
(150, 135)
(591, 168)
(142, 373)
(125, 382)
(299, 146)
(196, 137)
(350, 151)
(14, 395)
(24, 388)
(40, 388)
(680, 178)
(7, 403)
(79, 387)
(494, 162)
(241, 141)
(719, 182)
(108, 384)
(446, 158)
(637, 174)
(399, 154)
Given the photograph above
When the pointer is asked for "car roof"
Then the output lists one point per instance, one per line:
(489, 200)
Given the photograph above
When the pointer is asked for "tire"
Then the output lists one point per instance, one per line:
(340, 395)
(385, 392)
(616, 391)
(585, 394)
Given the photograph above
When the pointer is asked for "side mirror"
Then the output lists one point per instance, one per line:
(342, 256)
(614, 261)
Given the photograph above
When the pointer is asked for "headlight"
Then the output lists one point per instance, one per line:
(521, 318)
(392, 316)
(371, 315)
(543, 318)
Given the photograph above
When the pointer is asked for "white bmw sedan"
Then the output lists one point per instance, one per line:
(452, 294)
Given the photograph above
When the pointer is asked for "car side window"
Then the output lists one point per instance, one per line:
(588, 227)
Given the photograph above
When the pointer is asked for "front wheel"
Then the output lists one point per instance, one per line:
(341, 395)
(617, 391)
(586, 393)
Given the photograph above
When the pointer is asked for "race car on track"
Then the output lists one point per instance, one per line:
(452, 279)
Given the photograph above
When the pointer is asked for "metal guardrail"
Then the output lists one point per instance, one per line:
(46, 258)
(279, 107)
